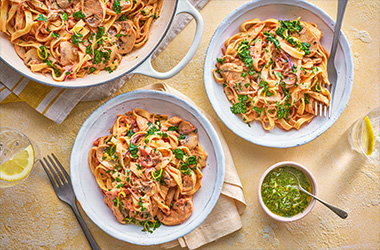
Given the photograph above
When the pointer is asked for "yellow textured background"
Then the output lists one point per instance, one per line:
(32, 216)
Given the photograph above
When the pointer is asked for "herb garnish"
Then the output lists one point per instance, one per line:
(272, 39)
(79, 15)
(178, 153)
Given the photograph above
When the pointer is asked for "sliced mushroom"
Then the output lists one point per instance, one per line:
(31, 56)
(232, 73)
(69, 53)
(188, 182)
(64, 4)
(179, 213)
(168, 180)
(94, 11)
(127, 39)
(190, 141)
(175, 120)
(186, 127)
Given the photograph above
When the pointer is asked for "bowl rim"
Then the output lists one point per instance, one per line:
(343, 42)
(211, 133)
(108, 79)
(308, 174)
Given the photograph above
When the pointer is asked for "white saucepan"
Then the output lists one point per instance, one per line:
(139, 61)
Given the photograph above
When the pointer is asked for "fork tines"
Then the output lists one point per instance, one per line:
(321, 109)
(55, 171)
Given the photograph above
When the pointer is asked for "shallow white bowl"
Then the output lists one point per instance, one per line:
(99, 123)
(278, 9)
(313, 183)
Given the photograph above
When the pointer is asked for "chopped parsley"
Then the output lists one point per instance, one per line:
(79, 15)
(55, 35)
(89, 49)
(242, 98)
(99, 55)
(158, 174)
(43, 52)
(178, 153)
(238, 108)
(292, 27)
(192, 160)
(57, 72)
(265, 86)
(258, 110)
(99, 35)
(65, 17)
(92, 70)
(141, 204)
(150, 226)
(116, 6)
(123, 17)
(130, 133)
(220, 60)
(307, 99)
(173, 128)
(294, 68)
(245, 54)
(151, 131)
(42, 17)
(283, 111)
(77, 38)
(133, 150)
(272, 39)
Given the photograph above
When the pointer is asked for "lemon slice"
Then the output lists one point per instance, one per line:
(368, 136)
(19, 166)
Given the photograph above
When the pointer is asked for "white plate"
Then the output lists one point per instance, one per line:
(99, 123)
(283, 10)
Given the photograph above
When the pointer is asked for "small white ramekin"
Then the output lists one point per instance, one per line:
(312, 182)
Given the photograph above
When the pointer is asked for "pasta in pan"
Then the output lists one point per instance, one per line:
(149, 168)
(72, 38)
(275, 72)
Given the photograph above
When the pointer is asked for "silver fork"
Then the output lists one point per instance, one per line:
(60, 180)
(332, 73)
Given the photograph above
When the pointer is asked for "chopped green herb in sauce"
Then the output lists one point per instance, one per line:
(281, 194)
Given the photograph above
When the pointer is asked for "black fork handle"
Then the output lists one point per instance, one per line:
(84, 227)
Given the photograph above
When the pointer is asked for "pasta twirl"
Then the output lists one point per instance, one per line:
(149, 168)
(72, 38)
(275, 72)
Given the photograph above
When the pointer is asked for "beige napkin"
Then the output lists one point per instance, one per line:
(231, 202)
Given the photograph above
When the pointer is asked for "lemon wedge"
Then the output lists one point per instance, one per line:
(368, 136)
(19, 166)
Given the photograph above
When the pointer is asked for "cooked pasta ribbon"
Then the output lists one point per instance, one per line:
(275, 72)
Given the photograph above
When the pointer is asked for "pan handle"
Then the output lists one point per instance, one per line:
(146, 67)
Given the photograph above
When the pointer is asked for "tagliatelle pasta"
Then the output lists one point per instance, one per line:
(275, 72)
(149, 168)
(72, 38)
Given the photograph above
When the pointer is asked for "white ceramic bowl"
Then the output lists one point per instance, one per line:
(99, 123)
(313, 186)
(283, 10)
(138, 61)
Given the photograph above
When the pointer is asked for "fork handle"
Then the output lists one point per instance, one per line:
(84, 227)
(338, 24)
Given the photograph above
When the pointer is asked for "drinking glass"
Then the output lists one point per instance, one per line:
(359, 136)
(12, 142)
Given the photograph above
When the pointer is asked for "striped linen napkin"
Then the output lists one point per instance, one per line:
(57, 103)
